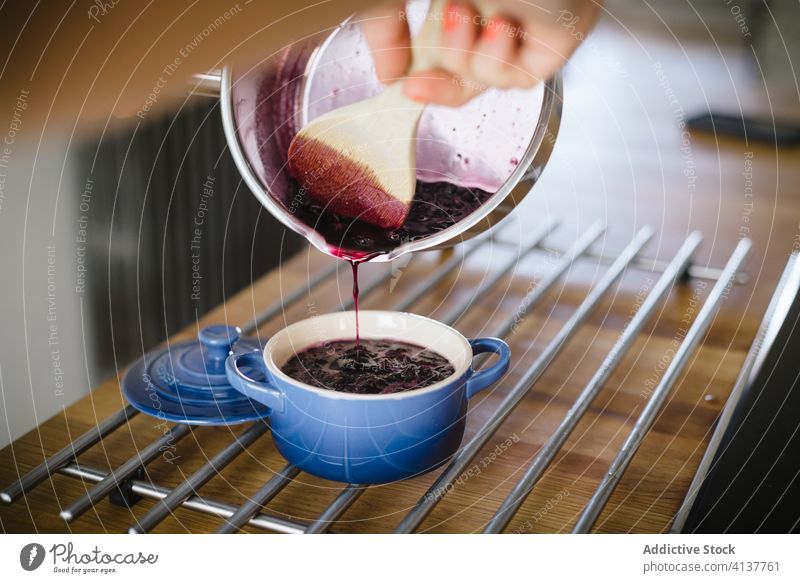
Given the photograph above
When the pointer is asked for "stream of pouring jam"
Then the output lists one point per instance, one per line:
(354, 265)
(436, 206)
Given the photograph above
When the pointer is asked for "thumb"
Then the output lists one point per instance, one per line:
(386, 30)
(441, 87)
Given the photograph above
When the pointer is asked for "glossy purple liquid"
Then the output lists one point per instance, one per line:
(436, 207)
(376, 367)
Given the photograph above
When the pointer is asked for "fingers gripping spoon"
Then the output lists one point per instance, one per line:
(359, 160)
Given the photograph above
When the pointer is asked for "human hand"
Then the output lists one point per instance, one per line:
(510, 44)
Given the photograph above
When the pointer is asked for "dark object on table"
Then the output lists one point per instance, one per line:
(752, 484)
(766, 131)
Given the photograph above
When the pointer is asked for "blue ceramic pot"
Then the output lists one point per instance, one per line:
(367, 439)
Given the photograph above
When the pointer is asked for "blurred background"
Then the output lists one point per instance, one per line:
(100, 261)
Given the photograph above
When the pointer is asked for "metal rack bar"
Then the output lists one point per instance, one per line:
(367, 289)
(775, 316)
(335, 509)
(123, 472)
(275, 485)
(114, 421)
(532, 298)
(185, 489)
(655, 265)
(253, 505)
(184, 495)
(352, 492)
(442, 271)
(65, 455)
(464, 457)
(553, 445)
(693, 338)
(452, 317)
(197, 503)
(279, 305)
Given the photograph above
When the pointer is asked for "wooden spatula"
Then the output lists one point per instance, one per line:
(359, 160)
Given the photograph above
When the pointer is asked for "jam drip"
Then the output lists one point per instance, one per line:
(354, 265)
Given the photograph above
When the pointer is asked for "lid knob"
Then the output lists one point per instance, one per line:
(217, 340)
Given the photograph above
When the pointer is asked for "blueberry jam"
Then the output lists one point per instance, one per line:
(436, 206)
(374, 367)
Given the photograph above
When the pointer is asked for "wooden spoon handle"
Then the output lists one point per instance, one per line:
(426, 46)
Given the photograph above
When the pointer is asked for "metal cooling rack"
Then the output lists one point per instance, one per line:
(129, 477)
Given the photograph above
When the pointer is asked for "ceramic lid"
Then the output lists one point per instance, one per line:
(186, 382)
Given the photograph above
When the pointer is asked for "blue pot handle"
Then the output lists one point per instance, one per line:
(477, 381)
(260, 391)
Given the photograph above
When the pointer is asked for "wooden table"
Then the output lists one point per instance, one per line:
(645, 501)
(622, 132)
